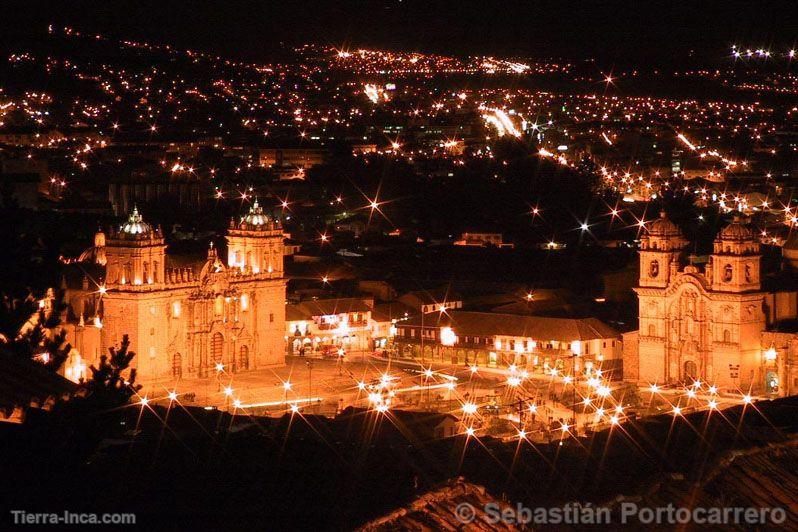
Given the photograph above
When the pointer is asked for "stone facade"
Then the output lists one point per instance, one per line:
(183, 321)
(705, 324)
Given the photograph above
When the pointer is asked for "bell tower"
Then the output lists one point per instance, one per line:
(255, 243)
(659, 250)
(135, 255)
(735, 260)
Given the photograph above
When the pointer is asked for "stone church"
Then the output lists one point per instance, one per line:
(724, 324)
(183, 317)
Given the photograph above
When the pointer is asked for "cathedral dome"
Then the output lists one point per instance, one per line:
(736, 231)
(662, 226)
(256, 217)
(135, 224)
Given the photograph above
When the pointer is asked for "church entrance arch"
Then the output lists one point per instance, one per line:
(690, 371)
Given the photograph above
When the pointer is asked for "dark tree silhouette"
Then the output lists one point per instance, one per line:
(30, 332)
(108, 387)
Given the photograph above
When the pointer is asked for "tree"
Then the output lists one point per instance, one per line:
(31, 332)
(108, 387)
(95, 411)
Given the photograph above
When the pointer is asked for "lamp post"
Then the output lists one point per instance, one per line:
(309, 364)
(576, 350)
(422, 335)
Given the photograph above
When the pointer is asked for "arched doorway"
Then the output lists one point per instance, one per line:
(690, 371)
(217, 344)
(772, 382)
(243, 358)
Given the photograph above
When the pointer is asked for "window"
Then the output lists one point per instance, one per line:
(217, 341)
(727, 273)
(747, 273)
(271, 317)
(653, 268)
(727, 336)
(177, 365)
(243, 358)
(652, 330)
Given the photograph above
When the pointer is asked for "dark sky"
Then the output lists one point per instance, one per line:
(610, 29)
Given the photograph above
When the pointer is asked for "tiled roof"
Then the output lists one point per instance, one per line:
(437, 510)
(536, 327)
(324, 307)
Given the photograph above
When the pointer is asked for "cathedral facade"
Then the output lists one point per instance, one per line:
(713, 324)
(184, 321)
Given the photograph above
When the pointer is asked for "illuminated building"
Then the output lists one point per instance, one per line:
(710, 324)
(496, 340)
(182, 320)
(482, 240)
(327, 325)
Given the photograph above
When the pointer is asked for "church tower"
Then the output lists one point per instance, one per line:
(659, 252)
(135, 255)
(134, 291)
(255, 244)
(735, 261)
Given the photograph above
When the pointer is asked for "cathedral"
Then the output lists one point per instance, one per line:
(723, 324)
(185, 319)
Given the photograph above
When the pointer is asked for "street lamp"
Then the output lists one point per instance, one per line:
(576, 350)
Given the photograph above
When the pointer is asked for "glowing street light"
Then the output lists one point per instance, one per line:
(172, 396)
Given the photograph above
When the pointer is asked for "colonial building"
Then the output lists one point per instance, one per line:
(713, 324)
(183, 319)
(324, 326)
(327, 325)
(531, 343)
